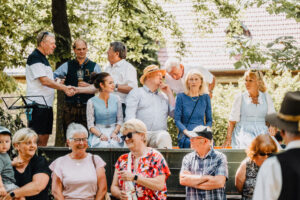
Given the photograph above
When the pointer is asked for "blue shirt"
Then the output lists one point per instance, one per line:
(214, 163)
(184, 107)
(150, 107)
(63, 70)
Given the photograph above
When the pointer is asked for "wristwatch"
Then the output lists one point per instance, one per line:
(116, 88)
(12, 194)
(135, 178)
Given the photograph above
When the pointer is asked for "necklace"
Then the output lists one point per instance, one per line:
(195, 98)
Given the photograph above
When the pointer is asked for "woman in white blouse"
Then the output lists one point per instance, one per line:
(247, 118)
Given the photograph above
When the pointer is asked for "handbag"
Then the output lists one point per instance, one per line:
(106, 197)
(181, 133)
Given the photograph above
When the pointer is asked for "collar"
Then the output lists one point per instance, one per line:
(148, 90)
(293, 145)
(117, 64)
(211, 153)
(86, 60)
(39, 52)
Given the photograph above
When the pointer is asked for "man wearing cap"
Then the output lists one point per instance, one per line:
(77, 72)
(123, 73)
(204, 171)
(40, 82)
(176, 75)
(152, 107)
(279, 176)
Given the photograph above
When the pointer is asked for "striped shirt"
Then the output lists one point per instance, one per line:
(214, 163)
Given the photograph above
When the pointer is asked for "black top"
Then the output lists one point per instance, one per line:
(289, 163)
(36, 165)
(37, 57)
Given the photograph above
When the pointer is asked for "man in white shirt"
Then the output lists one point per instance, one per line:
(176, 73)
(40, 82)
(279, 176)
(123, 73)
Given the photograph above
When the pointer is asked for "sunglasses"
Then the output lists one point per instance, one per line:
(265, 154)
(129, 136)
(44, 34)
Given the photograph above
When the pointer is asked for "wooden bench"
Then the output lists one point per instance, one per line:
(174, 159)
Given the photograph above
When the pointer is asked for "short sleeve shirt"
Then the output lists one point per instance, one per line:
(123, 73)
(150, 166)
(38, 66)
(214, 163)
(78, 176)
(36, 165)
(6, 170)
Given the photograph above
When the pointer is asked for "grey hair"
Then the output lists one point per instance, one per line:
(23, 135)
(136, 125)
(42, 36)
(76, 128)
(172, 62)
(120, 48)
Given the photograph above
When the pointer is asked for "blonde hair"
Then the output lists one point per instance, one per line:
(23, 135)
(261, 144)
(259, 77)
(203, 87)
(136, 125)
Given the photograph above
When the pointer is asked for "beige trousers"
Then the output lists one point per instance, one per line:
(159, 139)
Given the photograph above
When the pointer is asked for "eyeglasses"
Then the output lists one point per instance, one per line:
(79, 139)
(44, 34)
(265, 154)
(129, 136)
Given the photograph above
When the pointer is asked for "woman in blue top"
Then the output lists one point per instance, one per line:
(247, 118)
(193, 108)
(104, 114)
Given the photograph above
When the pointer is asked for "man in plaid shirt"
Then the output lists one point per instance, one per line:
(204, 171)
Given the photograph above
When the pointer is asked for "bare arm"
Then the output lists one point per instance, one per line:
(214, 182)
(240, 177)
(2, 189)
(86, 90)
(52, 84)
(187, 179)
(115, 189)
(124, 88)
(57, 188)
(211, 86)
(102, 184)
(231, 125)
(38, 183)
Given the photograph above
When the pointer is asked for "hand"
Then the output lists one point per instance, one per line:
(7, 197)
(165, 88)
(69, 91)
(17, 162)
(115, 137)
(103, 138)
(126, 176)
(2, 191)
(83, 84)
(123, 195)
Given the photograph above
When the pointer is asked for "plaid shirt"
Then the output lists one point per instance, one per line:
(214, 163)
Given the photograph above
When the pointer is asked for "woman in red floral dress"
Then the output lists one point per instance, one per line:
(145, 177)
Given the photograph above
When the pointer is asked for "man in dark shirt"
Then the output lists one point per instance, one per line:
(77, 72)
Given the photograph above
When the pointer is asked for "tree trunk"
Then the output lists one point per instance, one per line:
(63, 52)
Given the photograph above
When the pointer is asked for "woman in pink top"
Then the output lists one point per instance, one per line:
(78, 175)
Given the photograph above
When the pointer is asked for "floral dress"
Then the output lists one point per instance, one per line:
(150, 166)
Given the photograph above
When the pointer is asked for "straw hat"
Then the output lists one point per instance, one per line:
(151, 69)
(288, 118)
